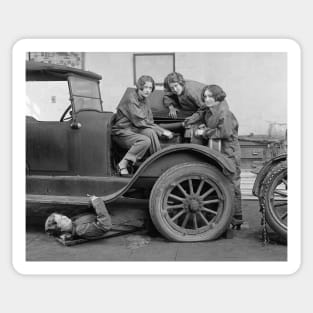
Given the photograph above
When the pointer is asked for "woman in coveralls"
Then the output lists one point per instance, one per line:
(181, 94)
(220, 123)
(134, 127)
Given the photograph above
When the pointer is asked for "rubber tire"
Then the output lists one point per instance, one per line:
(271, 178)
(176, 173)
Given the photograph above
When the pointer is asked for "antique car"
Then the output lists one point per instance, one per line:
(70, 155)
(271, 188)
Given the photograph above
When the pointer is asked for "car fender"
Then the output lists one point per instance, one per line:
(159, 162)
(263, 172)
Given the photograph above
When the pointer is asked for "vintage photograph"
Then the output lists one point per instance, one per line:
(167, 156)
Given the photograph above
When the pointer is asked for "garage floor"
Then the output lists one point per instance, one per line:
(243, 245)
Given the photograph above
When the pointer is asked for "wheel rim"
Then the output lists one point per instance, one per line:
(193, 205)
(278, 199)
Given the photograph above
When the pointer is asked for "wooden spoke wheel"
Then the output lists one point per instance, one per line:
(192, 202)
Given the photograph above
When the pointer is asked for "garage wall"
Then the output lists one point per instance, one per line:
(116, 70)
(255, 83)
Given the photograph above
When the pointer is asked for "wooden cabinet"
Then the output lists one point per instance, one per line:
(255, 150)
(252, 153)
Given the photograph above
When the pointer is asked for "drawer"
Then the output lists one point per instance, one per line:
(252, 153)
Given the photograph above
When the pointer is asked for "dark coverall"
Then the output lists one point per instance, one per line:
(189, 100)
(221, 123)
(92, 225)
(134, 127)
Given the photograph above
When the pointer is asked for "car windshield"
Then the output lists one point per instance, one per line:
(85, 94)
(47, 100)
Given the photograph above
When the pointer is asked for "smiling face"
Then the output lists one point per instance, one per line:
(208, 99)
(176, 88)
(146, 90)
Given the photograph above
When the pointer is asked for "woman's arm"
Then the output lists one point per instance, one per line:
(224, 128)
(169, 99)
(140, 119)
(194, 118)
(171, 103)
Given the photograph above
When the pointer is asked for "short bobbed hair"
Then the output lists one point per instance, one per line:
(142, 80)
(173, 78)
(217, 92)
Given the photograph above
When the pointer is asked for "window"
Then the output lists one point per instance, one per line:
(156, 65)
(47, 100)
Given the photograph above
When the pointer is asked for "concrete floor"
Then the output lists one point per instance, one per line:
(243, 245)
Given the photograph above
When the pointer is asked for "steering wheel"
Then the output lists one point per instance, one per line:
(67, 115)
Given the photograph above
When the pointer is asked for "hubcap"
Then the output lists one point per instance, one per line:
(193, 205)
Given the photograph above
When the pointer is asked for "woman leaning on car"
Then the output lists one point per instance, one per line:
(181, 94)
(219, 123)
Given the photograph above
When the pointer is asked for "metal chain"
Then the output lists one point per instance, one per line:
(264, 229)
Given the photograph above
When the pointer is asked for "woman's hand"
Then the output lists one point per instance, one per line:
(173, 111)
(199, 132)
(188, 121)
(168, 134)
(209, 133)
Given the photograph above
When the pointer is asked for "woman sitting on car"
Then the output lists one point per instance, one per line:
(134, 128)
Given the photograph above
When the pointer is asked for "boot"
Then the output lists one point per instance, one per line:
(237, 221)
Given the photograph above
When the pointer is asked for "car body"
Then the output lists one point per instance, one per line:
(73, 156)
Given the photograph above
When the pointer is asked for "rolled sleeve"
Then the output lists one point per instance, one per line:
(195, 117)
(169, 100)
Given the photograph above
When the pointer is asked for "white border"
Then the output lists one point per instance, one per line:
(157, 45)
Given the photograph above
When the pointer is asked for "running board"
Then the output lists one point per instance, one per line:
(73, 200)
(54, 200)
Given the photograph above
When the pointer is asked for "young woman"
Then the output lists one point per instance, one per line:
(181, 94)
(134, 127)
(220, 123)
